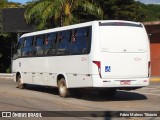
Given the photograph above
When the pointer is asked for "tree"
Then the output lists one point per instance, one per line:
(51, 13)
(122, 9)
(152, 12)
(3, 4)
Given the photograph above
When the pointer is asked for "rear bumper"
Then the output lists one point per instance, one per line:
(120, 83)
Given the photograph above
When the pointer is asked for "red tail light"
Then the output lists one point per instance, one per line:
(98, 63)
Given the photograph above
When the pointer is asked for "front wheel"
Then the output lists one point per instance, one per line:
(20, 85)
(63, 91)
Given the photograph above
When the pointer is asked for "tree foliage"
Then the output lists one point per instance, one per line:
(151, 12)
(122, 9)
(51, 13)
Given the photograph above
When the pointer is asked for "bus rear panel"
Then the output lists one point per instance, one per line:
(123, 60)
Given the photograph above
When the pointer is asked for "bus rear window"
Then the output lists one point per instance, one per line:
(119, 24)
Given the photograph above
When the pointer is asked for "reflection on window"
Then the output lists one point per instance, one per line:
(63, 42)
(39, 45)
(28, 48)
(50, 41)
(18, 50)
(28, 42)
(80, 39)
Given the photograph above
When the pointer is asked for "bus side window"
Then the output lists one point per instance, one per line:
(39, 45)
(28, 46)
(74, 45)
(63, 47)
(79, 41)
(50, 44)
(87, 40)
(18, 50)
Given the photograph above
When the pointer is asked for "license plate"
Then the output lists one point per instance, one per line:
(125, 82)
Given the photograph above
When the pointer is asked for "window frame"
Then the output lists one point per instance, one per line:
(55, 43)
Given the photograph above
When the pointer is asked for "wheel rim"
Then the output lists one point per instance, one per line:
(19, 82)
(62, 88)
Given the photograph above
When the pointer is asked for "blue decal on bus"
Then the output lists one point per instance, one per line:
(107, 68)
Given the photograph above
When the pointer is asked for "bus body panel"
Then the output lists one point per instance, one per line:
(119, 83)
(123, 39)
(44, 71)
(123, 55)
(124, 65)
(56, 64)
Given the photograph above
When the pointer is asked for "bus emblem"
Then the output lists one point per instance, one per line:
(107, 68)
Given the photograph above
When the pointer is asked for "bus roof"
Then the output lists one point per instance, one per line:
(74, 26)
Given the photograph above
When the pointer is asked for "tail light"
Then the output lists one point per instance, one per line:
(98, 63)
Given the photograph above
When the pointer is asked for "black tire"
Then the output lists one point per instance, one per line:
(108, 92)
(20, 85)
(63, 91)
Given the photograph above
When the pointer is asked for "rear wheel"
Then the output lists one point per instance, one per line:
(20, 85)
(62, 87)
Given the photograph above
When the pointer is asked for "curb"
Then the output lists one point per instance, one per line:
(5, 76)
(155, 79)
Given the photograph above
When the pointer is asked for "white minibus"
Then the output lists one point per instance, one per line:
(105, 55)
